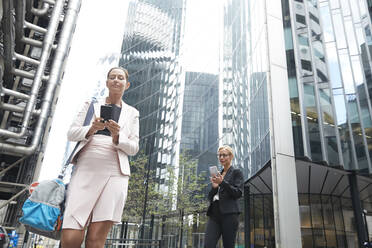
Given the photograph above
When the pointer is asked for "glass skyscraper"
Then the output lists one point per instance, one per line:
(199, 136)
(150, 52)
(310, 75)
(233, 73)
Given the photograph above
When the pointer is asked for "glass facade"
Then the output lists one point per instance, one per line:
(328, 61)
(328, 68)
(179, 124)
(151, 53)
(185, 116)
(234, 82)
(257, 72)
(326, 221)
(199, 136)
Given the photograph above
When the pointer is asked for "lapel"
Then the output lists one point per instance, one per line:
(123, 114)
(229, 173)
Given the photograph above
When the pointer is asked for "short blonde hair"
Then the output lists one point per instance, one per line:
(227, 148)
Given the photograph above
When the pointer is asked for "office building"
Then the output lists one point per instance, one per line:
(151, 53)
(199, 136)
(311, 60)
(234, 85)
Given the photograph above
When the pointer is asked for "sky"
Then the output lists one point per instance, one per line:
(99, 32)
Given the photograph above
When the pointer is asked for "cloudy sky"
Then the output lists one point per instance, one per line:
(99, 32)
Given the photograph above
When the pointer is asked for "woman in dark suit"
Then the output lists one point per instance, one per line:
(223, 210)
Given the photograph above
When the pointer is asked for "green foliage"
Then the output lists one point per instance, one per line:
(186, 186)
(181, 193)
(134, 205)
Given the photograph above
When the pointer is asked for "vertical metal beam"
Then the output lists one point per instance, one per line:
(357, 208)
(247, 217)
(285, 194)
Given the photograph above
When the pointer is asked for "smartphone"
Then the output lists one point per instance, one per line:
(106, 112)
(213, 170)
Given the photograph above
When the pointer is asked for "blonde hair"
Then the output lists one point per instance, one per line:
(227, 148)
(119, 68)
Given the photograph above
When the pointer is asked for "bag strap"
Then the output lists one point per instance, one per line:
(87, 120)
(59, 182)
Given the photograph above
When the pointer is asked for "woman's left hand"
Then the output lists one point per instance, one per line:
(113, 127)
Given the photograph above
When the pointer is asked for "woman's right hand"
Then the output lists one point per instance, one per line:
(97, 124)
(214, 185)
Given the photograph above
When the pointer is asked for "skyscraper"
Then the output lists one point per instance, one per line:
(199, 135)
(233, 74)
(311, 60)
(150, 52)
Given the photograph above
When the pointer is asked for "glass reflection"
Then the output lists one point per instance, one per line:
(313, 125)
(339, 30)
(326, 221)
(188, 114)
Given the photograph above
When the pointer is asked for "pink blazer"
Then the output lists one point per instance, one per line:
(128, 137)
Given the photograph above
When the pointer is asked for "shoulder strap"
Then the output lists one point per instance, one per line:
(87, 120)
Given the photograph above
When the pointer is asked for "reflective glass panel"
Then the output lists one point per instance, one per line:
(327, 22)
(339, 30)
(312, 119)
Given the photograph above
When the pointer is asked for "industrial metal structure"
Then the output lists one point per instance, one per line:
(35, 38)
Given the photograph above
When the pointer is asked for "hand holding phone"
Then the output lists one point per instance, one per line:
(213, 170)
(106, 112)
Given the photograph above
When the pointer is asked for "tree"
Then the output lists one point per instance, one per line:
(186, 188)
(179, 193)
(134, 205)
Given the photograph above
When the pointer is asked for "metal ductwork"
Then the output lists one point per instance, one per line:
(36, 37)
(56, 70)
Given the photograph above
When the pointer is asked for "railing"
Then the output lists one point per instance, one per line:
(133, 243)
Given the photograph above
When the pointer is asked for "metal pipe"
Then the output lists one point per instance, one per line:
(18, 109)
(20, 24)
(32, 42)
(14, 197)
(42, 11)
(12, 165)
(35, 27)
(7, 41)
(47, 47)
(27, 74)
(15, 93)
(26, 59)
(19, 20)
(14, 184)
(52, 2)
(55, 75)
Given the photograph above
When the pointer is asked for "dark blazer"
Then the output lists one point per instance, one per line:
(231, 189)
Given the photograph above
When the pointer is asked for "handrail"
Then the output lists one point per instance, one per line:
(133, 242)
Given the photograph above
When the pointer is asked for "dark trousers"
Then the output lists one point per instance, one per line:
(221, 224)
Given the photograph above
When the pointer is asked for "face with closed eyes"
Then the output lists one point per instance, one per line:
(117, 81)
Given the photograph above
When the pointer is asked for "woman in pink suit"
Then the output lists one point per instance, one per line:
(98, 188)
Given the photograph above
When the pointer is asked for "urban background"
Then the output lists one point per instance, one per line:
(286, 83)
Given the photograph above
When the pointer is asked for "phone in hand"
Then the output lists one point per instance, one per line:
(213, 170)
(106, 112)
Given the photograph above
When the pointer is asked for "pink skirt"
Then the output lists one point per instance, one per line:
(97, 189)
